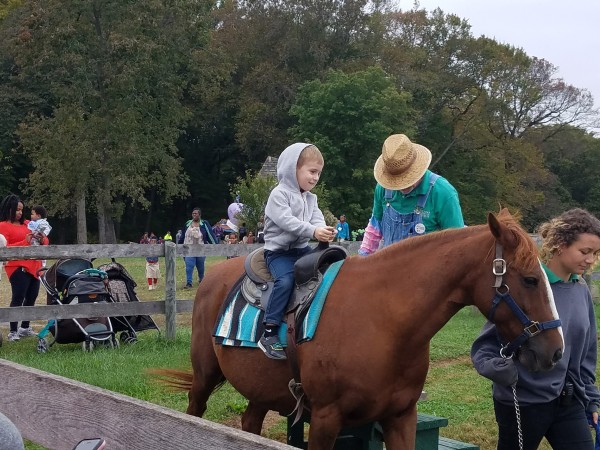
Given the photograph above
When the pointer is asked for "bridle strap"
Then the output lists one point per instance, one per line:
(498, 266)
(531, 328)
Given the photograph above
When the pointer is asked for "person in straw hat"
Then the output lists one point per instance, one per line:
(410, 200)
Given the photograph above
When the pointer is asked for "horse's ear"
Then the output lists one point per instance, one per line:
(500, 231)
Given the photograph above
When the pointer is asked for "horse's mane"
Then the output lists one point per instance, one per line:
(525, 255)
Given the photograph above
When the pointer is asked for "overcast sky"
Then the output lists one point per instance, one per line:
(562, 32)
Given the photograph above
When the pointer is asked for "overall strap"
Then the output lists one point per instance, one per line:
(423, 197)
(389, 194)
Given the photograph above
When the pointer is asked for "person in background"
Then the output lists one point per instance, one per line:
(292, 218)
(145, 239)
(197, 231)
(178, 236)
(249, 239)
(2, 244)
(167, 236)
(152, 269)
(260, 230)
(343, 229)
(22, 275)
(409, 199)
(218, 231)
(552, 404)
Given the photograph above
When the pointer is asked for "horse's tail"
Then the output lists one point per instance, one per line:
(176, 380)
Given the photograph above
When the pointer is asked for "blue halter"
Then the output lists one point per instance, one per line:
(531, 327)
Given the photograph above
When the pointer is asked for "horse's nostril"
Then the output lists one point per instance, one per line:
(557, 356)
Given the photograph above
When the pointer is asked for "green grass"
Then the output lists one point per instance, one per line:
(454, 389)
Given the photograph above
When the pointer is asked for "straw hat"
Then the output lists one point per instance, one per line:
(402, 163)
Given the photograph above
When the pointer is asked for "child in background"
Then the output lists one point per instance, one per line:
(152, 268)
(38, 225)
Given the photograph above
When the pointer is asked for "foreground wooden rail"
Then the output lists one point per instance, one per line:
(170, 307)
(56, 412)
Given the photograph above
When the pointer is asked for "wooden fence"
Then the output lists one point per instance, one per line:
(170, 307)
(57, 412)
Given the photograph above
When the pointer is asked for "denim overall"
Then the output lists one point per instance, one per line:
(396, 226)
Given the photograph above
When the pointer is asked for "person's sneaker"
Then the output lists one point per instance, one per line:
(25, 332)
(150, 287)
(272, 347)
(13, 336)
(187, 286)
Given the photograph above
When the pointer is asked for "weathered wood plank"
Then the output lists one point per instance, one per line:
(45, 312)
(56, 412)
(170, 291)
(132, 250)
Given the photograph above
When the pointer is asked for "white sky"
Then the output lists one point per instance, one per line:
(565, 33)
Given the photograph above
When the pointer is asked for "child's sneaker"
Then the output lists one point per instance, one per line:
(13, 336)
(25, 332)
(272, 347)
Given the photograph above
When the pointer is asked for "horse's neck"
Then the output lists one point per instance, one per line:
(427, 282)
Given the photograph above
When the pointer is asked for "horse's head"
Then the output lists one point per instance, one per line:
(522, 307)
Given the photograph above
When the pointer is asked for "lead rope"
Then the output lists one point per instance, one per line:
(518, 416)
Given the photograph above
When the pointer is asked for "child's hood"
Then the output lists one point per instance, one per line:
(286, 165)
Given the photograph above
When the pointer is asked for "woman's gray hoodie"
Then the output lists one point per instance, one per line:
(291, 216)
(576, 311)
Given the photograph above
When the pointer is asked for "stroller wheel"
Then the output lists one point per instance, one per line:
(128, 337)
(87, 346)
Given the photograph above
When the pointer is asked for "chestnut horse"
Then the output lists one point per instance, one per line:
(370, 354)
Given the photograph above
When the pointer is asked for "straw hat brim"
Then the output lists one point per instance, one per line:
(409, 176)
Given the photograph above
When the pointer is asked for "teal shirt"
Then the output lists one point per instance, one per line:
(442, 209)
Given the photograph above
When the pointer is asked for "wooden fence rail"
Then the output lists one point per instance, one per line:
(57, 412)
(170, 307)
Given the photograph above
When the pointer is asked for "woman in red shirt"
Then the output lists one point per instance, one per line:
(22, 275)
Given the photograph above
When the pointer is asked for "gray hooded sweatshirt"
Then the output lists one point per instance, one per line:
(291, 216)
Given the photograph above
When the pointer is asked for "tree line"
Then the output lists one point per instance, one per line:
(121, 116)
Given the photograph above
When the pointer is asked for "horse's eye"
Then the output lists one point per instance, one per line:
(530, 281)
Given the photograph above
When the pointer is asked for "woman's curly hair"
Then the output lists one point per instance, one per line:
(564, 230)
(8, 209)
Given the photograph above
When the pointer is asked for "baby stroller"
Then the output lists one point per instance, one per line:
(74, 281)
(122, 290)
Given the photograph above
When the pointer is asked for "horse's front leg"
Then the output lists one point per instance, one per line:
(399, 432)
(253, 418)
(325, 425)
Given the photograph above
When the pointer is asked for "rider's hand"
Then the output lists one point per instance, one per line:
(325, 234)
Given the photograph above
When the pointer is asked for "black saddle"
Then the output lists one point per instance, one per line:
(308, 273)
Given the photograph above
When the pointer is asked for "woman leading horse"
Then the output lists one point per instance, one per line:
(369, 357)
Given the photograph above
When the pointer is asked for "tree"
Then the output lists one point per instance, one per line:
(348, 116)
(115, 76)
(253, 191)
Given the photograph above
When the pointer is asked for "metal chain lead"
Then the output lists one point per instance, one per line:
(518, 416)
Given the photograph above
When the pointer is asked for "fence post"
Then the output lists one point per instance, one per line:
(170, 289)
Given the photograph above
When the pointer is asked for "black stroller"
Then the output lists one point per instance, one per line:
(122, 289)
(73, 281)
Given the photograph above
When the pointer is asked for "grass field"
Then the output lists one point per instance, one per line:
(454, 389)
